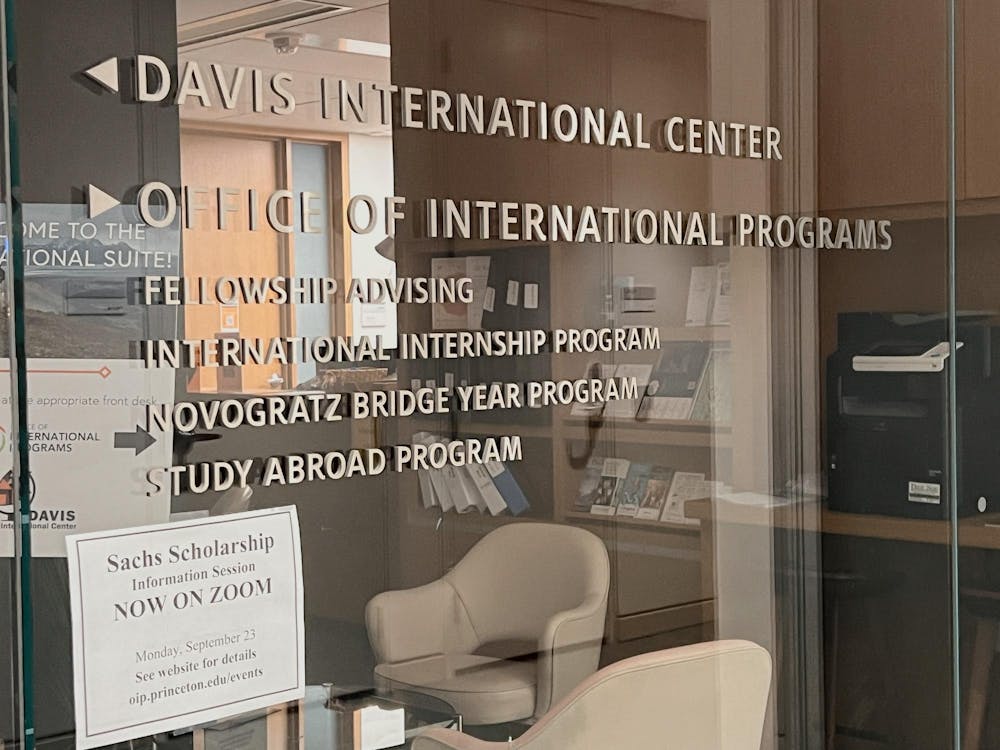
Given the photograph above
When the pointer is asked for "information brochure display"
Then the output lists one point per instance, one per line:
(183, 623)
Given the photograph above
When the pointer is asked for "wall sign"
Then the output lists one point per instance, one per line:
(183, 623)
(90, 450)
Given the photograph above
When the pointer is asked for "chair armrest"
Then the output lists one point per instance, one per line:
(409, 624)
(569, 650)
(448, 739)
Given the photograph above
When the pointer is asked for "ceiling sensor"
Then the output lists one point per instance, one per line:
(285, 42)
(253, 21)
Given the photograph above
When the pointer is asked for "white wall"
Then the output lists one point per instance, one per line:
(370, 173)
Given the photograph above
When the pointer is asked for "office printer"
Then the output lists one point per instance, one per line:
(887, 415)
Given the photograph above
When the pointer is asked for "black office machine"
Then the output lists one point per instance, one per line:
(887, 415)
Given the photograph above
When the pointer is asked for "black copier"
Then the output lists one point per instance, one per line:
(887, 415)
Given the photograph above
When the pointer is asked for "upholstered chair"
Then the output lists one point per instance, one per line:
(541, 586)
(709, 696)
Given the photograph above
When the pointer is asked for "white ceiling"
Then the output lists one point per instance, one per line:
(685, 8)
(365, 20)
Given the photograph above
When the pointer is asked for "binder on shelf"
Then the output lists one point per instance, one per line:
(508, 487)
(436, 477)
(463, 492)
(483, 482)
(426, 489)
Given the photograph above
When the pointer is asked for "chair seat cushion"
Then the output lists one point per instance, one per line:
(484, 690)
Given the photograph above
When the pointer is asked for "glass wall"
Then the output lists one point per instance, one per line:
(624, 368)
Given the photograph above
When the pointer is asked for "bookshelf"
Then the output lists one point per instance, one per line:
(653, 432)
(577, 515)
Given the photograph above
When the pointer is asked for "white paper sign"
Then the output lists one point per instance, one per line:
(183, 623)
(89, 449)
(381, 728)
(513, 292)
(531, 296)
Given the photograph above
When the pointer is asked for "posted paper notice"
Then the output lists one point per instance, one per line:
(183, 623)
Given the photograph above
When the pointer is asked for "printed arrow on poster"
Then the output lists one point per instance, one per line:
(105, 73)
(98, 201)
(138, 440)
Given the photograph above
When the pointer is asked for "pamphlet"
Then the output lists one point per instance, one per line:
(721, 304)
(686, 485)
(654, 496)
(633, 489)
(700, 292)
(613, 474)
(674, 381)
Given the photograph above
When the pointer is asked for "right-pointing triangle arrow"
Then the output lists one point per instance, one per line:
(98, 201)
(105, 73)
(137, 441)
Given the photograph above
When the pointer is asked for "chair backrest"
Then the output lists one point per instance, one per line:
(517, 576)
(709, 696)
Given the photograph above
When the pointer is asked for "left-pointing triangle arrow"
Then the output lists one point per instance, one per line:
(98, 201)
(138, 440)
(105, 73)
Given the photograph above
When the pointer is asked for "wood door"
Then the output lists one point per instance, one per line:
(212, 161)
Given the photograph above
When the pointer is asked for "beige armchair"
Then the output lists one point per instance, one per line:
(538, 584)
(710, 696)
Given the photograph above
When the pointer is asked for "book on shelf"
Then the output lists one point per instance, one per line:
(442, 495)
(627, 408)
(654, 494)
(434, 480)
(632, 490)
(714, 400)
(588, 487)
(613, 473)
(709, 296)
(685, 485)
(427, 494)
(463, 492)
(673, 383)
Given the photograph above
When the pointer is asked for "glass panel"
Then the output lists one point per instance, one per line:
(664, 259)
(976, 505)
(886, 557)
(16, 710)
(82, 152)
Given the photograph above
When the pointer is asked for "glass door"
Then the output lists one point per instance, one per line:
(717, 275)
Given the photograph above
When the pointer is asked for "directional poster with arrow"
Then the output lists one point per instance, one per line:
(90, 449)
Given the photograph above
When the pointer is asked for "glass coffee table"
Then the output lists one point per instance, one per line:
(330, 715)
